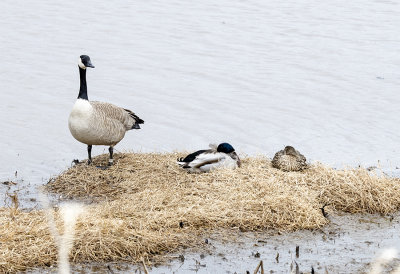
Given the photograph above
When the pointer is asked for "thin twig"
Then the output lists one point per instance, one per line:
(145, 268)
(260, 265)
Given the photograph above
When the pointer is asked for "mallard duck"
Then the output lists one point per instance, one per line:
(221, 156)
(98, 123)
(289, 159)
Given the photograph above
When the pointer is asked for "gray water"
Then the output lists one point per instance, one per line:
(322, 76)
(347, 245)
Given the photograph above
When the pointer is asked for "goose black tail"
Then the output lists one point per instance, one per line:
(138, 120)
(135, 117)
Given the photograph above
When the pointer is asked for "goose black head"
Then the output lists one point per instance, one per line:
(289, 150)
(84, 62)
(225, 147)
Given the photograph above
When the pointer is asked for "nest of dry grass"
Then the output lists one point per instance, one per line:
(142, 201)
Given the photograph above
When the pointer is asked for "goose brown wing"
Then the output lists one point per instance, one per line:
(110, 111)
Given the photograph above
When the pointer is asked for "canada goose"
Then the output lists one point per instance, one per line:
(98, 123)
(205, 160)
(289, 159)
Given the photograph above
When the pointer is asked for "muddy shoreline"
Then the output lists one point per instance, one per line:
(349, 244)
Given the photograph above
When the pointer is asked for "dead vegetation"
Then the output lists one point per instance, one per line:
(145, 206)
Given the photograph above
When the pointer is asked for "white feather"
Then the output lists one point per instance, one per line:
(79, 120)
(80, 64)
(207, 161)
(213, 146)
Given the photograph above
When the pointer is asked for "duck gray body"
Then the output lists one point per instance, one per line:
(289, 159)
(98, 123)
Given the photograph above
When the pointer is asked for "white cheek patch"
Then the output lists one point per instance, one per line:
(80, 64)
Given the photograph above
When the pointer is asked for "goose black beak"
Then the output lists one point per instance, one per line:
(89, 64)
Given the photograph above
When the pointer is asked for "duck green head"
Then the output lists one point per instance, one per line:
(225, 147)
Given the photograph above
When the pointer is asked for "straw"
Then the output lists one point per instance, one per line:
(146, 206)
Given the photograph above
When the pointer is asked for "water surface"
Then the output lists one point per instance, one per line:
(321, 76)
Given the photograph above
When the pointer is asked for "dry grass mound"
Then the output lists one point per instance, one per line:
(353, 190)
(143, 200)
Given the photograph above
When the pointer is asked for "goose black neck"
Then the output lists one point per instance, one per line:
(83, 87)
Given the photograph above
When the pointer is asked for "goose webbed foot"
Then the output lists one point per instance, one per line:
(75, 162)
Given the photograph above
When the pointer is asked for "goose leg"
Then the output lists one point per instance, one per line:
(89, 151)
(110, 161)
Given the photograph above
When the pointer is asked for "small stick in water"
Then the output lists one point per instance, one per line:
(260, 265)
(144, 265)
(323, 211)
